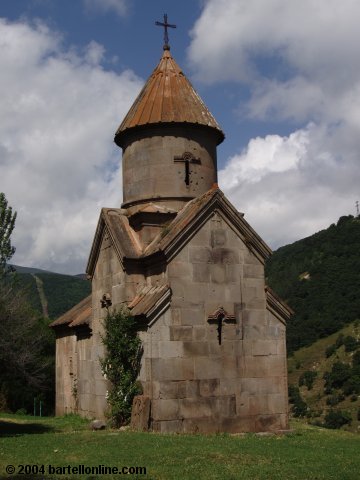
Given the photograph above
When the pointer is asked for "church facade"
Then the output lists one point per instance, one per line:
(191, 271)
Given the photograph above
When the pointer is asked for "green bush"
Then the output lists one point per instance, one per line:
(333, 400)
(331, 349)
(356, 359)
(299, 406)
(307, 378)
(336, 419)
(350, 343)
(121, 364)
(339, 374)
(352, 385)
(339, 341)
(293, 392)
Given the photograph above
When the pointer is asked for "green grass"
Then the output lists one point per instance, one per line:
(307, 453)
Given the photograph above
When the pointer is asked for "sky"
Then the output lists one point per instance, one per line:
(281, 78)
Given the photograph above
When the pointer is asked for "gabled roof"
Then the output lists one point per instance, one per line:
(167, 97)
(125, 240)
(194, 214)
(173, 236)
(80, 314)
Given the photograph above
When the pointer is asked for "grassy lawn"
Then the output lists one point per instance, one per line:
(307, 453)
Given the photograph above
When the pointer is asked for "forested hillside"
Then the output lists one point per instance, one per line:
(52, 294)
(319, 277)
(324, 380)
(29, 299)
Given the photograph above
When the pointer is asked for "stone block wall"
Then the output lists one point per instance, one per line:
(80, 385)
(197, 382)
(197, 378)
(109, 278)
(66, 372)
(149, 169)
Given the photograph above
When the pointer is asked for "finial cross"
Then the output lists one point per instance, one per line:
(165, 24)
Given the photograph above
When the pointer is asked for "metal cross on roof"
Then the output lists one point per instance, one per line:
(165, 24)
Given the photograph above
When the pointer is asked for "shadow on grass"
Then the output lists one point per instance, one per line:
(11, 429)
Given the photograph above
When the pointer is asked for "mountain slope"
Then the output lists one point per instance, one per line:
(327, 374)
(319, 277)
(52, 294)
(31, 270)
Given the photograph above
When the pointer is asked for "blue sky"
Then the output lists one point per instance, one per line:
(281, 78)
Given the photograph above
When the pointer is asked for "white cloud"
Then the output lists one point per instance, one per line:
(272, 154)
(300, 61)
(311, 49)
(58, 162)
(313, 35)
(290, 187)
(120, 7)
(94, 53)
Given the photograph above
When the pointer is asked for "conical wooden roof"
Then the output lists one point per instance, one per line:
(168, 97)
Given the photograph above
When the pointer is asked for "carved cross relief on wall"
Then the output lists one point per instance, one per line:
(219, 317)
(187, 158)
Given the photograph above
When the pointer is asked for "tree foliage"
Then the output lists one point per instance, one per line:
(26, 344)
(26, 352)
(307, 378)
(319, 277)
(121, 364)
(299, 406)
(7, 224)
(336, 419)
(63, 291)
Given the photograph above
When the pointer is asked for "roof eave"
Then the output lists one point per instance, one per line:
(122, 136)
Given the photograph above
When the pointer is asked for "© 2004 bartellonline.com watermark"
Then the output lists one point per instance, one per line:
(72, 470)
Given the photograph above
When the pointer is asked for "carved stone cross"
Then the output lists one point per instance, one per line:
(187, 158)
(219, 317)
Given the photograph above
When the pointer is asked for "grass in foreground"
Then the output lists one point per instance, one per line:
(307, 453)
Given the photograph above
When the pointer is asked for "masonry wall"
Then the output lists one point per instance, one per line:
(150, 172)
(80, 384)
(79, 381)
(194, 382)
(66, 368)
(109, 278)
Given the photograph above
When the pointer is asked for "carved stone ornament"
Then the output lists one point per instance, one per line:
(219, 317)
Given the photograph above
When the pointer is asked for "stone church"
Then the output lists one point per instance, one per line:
(191, 271)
